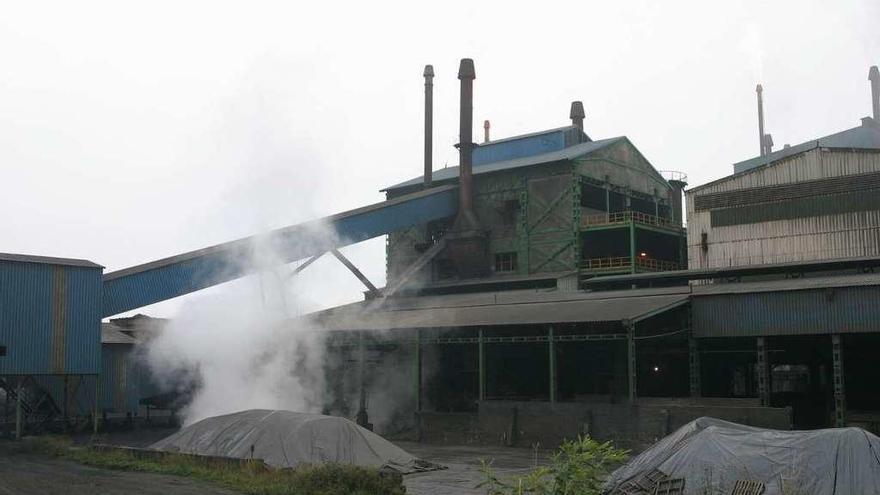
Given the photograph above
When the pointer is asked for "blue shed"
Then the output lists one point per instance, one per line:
(119, 383)
(50, 316)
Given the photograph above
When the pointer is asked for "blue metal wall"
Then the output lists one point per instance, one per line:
(49, 318)
(140, 286)
(796, 312)
(120, 380)
(519, 147)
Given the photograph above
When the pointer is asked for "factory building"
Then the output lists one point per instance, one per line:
(817, 200)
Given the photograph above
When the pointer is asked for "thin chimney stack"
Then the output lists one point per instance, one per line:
(429, 123)
(761, 139)
(486, 126)
(874, 77)
(577, 114)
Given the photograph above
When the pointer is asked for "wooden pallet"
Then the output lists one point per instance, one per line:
(643, 485)
(670, 486)
(748, 487)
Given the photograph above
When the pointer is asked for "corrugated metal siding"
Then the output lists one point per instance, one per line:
(826, 236)
(49, 318)
(120, 379)
(806, 312)
(519, 147)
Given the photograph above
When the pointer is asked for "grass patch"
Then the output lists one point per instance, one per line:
(250, 478)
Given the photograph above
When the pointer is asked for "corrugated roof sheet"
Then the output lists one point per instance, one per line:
(500, 308)
(112, 334)
(572, 152)
(865, 136)
(47, 260)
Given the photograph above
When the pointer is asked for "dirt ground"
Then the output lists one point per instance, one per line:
(32, 475)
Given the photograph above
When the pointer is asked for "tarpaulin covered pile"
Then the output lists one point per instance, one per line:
(711, 455)
(286, 439)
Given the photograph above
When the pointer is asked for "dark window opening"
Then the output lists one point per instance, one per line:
(2, 350)
(445, 269)
(505, 262)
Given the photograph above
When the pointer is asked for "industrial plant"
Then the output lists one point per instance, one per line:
(552, 284)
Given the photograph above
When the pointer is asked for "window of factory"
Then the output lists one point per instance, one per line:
(505, 262)
(2, 350)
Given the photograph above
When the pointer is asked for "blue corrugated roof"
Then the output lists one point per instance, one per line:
(46, 260)
(576, 151)
(865, 136)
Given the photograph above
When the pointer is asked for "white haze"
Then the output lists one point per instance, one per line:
(247, 348)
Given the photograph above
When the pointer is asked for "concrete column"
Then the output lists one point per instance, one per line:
(18, 418)
(763, 372)
(694, 362)
(551, 346)
(481, 365)
(839, 388)
(417, 371)
(631, 361)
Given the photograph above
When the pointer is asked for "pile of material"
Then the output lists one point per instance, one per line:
(711, 456)
(285, 439)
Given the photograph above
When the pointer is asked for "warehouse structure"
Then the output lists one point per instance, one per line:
(537, 291)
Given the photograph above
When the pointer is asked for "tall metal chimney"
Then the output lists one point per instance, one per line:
(874, 77)
(486, 126)
(429, 123)
(577, 114)
(466, 75)
(760, 90)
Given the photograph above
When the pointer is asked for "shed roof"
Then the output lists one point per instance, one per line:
(865, 137)
(112, 334)
(47, 260)
(501, 308)
(571, 152)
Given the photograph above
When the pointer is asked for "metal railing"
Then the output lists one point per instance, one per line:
(625, 217)
(642, 263)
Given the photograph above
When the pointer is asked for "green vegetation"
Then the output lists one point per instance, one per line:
(578, 467)
(250, 478)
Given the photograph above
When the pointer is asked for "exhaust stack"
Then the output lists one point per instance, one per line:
(486, 126)
(429, 123)
(577, 114)
(466, 219)
(466, 242)
(768, 144)
(874, 77)
(760, 92)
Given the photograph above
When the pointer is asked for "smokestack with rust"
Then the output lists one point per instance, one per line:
(577, 115)
(874, 77)
(760, 92)
(466, 75)
(486, 126)
(429, 123)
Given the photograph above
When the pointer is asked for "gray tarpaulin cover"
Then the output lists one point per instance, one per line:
(285, 439)
(709, 451)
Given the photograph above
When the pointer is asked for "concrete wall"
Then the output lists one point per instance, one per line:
(633, 426)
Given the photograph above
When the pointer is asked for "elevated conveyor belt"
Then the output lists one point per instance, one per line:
(142, 285)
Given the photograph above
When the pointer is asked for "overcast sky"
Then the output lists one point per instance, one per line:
(133, 131)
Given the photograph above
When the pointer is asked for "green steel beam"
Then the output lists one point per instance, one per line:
(631, 362)
(632, 247)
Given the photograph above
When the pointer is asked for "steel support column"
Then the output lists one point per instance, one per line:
(763, 372)
(631, 361)
(839, 384)
(417, 371)
(632, 245)
(95, 410)
(551, 347)
(694, 362)
(362, 419)
(18, 418)
(481, 365)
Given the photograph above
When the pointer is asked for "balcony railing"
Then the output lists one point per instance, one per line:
(625, 217)
(643, 264)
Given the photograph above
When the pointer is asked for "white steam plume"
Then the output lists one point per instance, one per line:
(244, 347)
